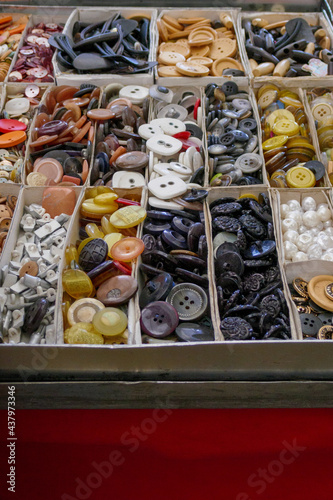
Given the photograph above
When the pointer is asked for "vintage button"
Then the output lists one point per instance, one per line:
(249, 162)
(170, 58)
(174, 239)
(100, 114)
(317, 167)
(175, 112)
(170, 125)
(300, 177)
(326, 318)
(117, 290)
(194, 332)
(225, 63)
(127, 180)
(110, 321)
(167, 186)
(192, 69)
(8, 125)
(31, 268)
(189, 300)
(35, 315)
(132, 160)
(310, 324)
(135, 93)
(164, 145)
(301, 287)
(159, 319)
(156, 289)
(93, 254)
(83, 333)
(234, 328)
(128, 217)
(31, 90)
(325, 333)
(329, 291)
(223, 47)
(11, 139)
(51, 168)
(316, 290)
(17, 106)
(168, 71)
(148, 130)
(275, 142)
(127, 249)
(179, 48)
(83, 310)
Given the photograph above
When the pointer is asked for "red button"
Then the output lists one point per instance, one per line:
(9, 125)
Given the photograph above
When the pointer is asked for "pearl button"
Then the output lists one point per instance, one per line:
(299, 257)
(309, 203)
(314, 252)
(304, 241)
(324, 213)
(294, 205)
(310, 218)
(289, 249)
(289, 224)
(290, 235)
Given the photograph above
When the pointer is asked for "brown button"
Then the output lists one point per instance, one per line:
(223, 47)
(30, 267)
(59, 200)
(44, 139)
(100, 114)
(117, 290)
(4, 211)
(179, 48)
(135, 160)
(5, 222)
(79, 101)
(192, 69)
(170, 58)
(225, 63)
(50, 167)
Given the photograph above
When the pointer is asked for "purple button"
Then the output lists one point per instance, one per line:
(159, 319)
(53, 127)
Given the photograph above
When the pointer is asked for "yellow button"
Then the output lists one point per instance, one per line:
(129, 216)
(110, 321)
(267, 86)
(268, 98)
(275, 142)
(316, 290)
(82, 333)
(279, 114)
(300, 177)
(111, 239)
(248, 195)
(105, 198)
(285, 127)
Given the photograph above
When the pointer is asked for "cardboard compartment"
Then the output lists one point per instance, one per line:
(27, 197)
(216, 193)
(314, 19)
(16, 15)
(213, 14)
(97, 14)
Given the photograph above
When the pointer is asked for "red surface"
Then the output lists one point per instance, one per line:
(178, 455)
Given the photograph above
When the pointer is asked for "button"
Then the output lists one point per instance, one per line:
(317, 167)
(31, 268)
(117, 290)
(223, 47)
(35, 315)
(135, 93)
(127, 180)
(285, 127)
(279, 114)
(159, 319)
(192, 69)
(159, 92)
(170, 58)
(82, 333)
(268, 98)
(170, 126)
(59, 200)
(51, 168)
(275, 142)
(110, 321)
(127, 249)
(83, 310)
(173, 168)
(316, 290)
(325, 333)
(167, 187)
(225, 63)
(158, 288)
(31, 90)
(93, 254)
(12, 139)
(128, 217)
(189, 300)
(300, 177)
(100, 114)
(8, 125)
(149, 130)
(249, 162)
(194, 332)
(164, 145)
(176, 112)
(234, 328)
(17, 106)
(329, 291)
(310, 324)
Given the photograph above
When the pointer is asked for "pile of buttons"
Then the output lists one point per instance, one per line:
(251, 299)
(101, 267)
(174, 301)
(307, 230)
(314, 303)
(175, 142)
(232, 136)
(288, 150)
(321, 103)
(287, 48)
(34, 62)
(196, 46)
(120, 157)
(7, 207)
(62, 139)
(11, 29)
(30, 280)
(15, 122)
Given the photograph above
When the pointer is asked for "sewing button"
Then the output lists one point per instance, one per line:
(127, 249)
(164, 145)
(300, 177)
(83, 310)
(110, 321)
(167, 187)
(285, 127)
(275, 142)
(100, 114)
(317, 167)
(249, 162)
(31, 268)
(310, 324)
(117, 290)
(156, 289)
(93, 254)
(316, 290)
(159, 319)
(148, 130)
(192, 69)
(135, 93)
(132, 160)
(17, 106)
(127, 180)
(225, 63)
(8, 125)
(51, 168)
(128, 217)
(189, 300)
(325, 333)
(194, 332)
(170, 126)
(11, 139)
(267, 98)
(170, 58)
(176, 112)
(31, 91)
(223, 47)
(59, 200)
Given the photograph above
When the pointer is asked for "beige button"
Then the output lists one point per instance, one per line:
(223, 47)
(202, 51)
(192, 69)
(267, 98)
(282, 68)
(202, 36)
(205, 61)
(225, 63)
(168, 71)
(35, 179)
(162, 30)
(321, 110)
(170, 58)
(172, 22)
(190, 20)
(226, 20)
(83, 310)
(178, 48)
(316, 291)
(264, 69)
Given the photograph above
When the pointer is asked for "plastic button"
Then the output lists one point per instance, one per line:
(117, 290)
(156, 289)
(167, 187)
(17, 106)
(275, 142)
(11, 139)
(110, 321)
(159, 319)
(128, 217)
(127, 249)
(83, 310)
(316, 290)
(189, 300)
(300, 177)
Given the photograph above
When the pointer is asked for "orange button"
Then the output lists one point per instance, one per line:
(127, 249)
(12, 138)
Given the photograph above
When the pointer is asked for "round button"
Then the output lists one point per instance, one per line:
(310, 324)
(229, 88)
(110, 321)
(51, 168)
(249, 162)
(317, 167)
(193, 332)
(127, 249)
(135, 93)
(17, 106)
(159, 319)
(167, 187)
(285, 127)
(156, 289)
(279, 114)
(31, 90)
(225, 63)
(325, 333)
(223, 47)
(275, 142)
(300, 177)
(83, 310)
(179, 48)
(268, 98)
(117, 290)
(316, 290)
(30, 268)
(321, 110)
(189, 300)
(170, 58)
(127, 180)
(134, 160)
(176, 112)
(192, 69)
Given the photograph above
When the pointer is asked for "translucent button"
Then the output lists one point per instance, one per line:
(127, 249)
(128, 217)
(110, 321)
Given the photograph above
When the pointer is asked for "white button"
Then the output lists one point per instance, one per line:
(17, 106)
(127, 180)
(181, 158)
(135, 93)
(167, 186)
(197, 161)
(149, 130)
(167, 205)
(181, 168)
(170, 126)
(164, 145)
(249, 163)
(169, 168)
(189, 155)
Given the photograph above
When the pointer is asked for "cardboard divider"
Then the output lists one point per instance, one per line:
(50, 15)
(313, 18)
(213, 14)
(236, 192)
(255, 112)
(9, 189)
(28, 196)
(97, 14)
